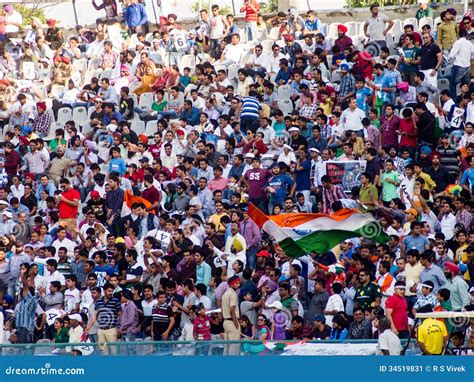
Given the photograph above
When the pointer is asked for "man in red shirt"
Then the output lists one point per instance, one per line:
(151, 194)
(397, 311)
(251, 8)
(255, 178)
(68, 205)
(12, 160)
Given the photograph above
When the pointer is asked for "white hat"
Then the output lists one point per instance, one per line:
(288, 147)
(315, 150)
(294, 128)
(276, 305)
(155, 40)
(422, 1)
(112, 128)
(3, 203)
(471, 290)
(249, 156)
(8, 214)
(75, 316)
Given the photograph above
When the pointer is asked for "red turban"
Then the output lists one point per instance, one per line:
(342, 28)
(453, 268)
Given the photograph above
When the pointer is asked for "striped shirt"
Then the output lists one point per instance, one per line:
(250, 107)
(26, 312)
(107, 312)
(330, 196)
(162, 314)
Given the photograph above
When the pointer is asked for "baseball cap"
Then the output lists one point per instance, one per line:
(75, 316)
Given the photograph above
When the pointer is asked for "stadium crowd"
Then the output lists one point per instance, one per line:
(131, 151)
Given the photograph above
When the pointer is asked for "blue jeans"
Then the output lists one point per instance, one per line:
(171, 114)
(251, 30)
(252, 257)
(458, 76)
(130, 337)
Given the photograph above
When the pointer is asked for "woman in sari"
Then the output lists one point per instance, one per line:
(261, 332)
(148, 79)
(168, 79)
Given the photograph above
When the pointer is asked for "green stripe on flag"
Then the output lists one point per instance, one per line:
(323, 241)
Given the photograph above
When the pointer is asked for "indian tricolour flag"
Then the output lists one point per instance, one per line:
(301, 233)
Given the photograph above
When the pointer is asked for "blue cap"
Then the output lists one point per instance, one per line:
(344, 67)
(320, 317)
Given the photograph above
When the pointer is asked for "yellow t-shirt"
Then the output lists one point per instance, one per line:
(216, 219)
(431, 333)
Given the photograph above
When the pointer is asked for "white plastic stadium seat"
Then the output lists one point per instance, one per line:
(135, 98)
(138, 127)
(106, 74)
(443, 84)
(397, 27)
(286, 106)
(79, 115)
(56, 90)
(151, 128)
(335, 76)
(90, 111)
(411, 20)
(134, 85)
(425, 21)
(332, 31)
(52, 131)
(64, 115)
(351, 28)
(232, 71)
(188, 60)
(274, 34)
(284, 92)
(146, 100)
(267, 45)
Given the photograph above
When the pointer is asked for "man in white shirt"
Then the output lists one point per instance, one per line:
(258, 59)
(388, 342)
(234, 52)
(274, 59)
(201, 297)
(351, 118)
(235, 249)
(13, 19)
(54, 275)
(377, 25)
(63, 241)
(334, 304)
(95, 48)
(461, 52)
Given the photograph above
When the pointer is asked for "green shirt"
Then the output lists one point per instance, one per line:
(55, 143)
(159, 107)
(62, 337)
(365, 295)
(389, 190)
(368, 194)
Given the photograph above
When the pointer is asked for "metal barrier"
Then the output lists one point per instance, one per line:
(161, 348)
(394, 3)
